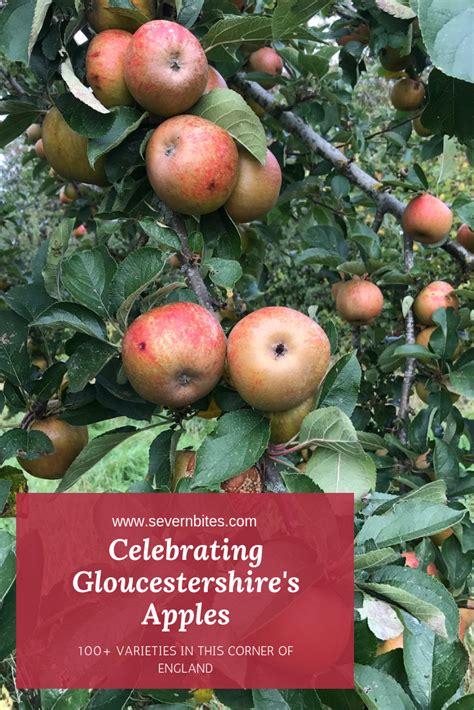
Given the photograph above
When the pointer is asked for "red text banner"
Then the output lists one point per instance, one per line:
(185, 591)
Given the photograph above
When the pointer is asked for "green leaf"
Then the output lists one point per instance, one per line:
(408, 520)
(269, 700)
(299, 483)
(108, 699)
(417, 351)
(330, 428)
(341, 472)
(458, 564)
(7, 563)
(396, 9)
(189, 12)
(70, 315)
(25, 444)
(446, 463)
(236, 31)
(379, 691)
(135, 273)
(341, 385)
(14, 360)
(125, 121)
(49, 382)
(19, 105)
(229, 110)
(29, 300)
(82, 118)
(159, 462)
(462, 380)
(13, 126)
(8, 624)
(87, 274)
(41, 9)
(57, 245)
(447, 30)
(71, 700)
(375, 558)
(421, 595)
(79, 90)
(446, 109)
(238, 442)
(289, 15)
(87, 361)
(224, 272)
(159, 234)
(17, 21)
(93, 453)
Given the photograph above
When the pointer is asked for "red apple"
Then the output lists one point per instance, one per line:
(427, 219)
(257, 188)
(276, 358)
(438, 294)
(39, 149)
(265, 60)
(166, 69)
(192, 164)
(79, 231)
(105, 65)
(68, 442)
(214, 81)
(174, 355)
(465, 237)
(358, 301)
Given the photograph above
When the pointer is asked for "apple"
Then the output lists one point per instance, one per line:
(239, 4)
(214, 80)
(439, 537)
(63, 198)
(104, 67)
(184, 465)
(465, 237)
(360, 34)
(33, 133)
(423, 338)
(213, 410)
(392, 59)
(411, 560)
(265, 60)
(257, 188)
(285, 425)
(427, 219)
(424, 393)
(389, 645)
(68, 442)
(358, 301)
(40, 362)
(166, 69)
(466, 619)
(71, 191)
(174, 355)
(101, 16)
(39, 149)
(407, 94)
(66, 151)
(438, 294)
(79, 231)
(192, 164)
(249, 481)
(276, 358)
(420, 128)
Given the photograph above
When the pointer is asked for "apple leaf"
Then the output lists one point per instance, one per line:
(7, 563)
(224, 272)
(13, 126)
(447, 33)
(341, 472)
(106, 699)
(396, 8)
(462, 380)
(125, 121)
(450, 104)
(86, 274)
(229, 110)
(79, 90)
(135, 273)
(289, 15)
(8, 624)
(57, 245)
(86, 361)
(189, 11)
(41, 8)
(14, 360)
(330, 428)
(71, 315)
(25, 444)
(237, 30)
(341, 385)
(17, 21)
(378, 689)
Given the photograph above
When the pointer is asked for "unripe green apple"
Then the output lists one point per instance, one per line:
(285, 425)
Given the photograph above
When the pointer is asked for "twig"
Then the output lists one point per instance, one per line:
(409, 374)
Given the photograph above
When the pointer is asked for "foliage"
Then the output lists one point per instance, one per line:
(69, 299)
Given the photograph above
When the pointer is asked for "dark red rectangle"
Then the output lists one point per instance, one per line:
(204, 590)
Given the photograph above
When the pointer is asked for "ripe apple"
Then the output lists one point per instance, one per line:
(411, 560)
(276, 358)
(423, 338)
(407, 94)
(104, 67)
(465, 237)
(427, 219)
(265, 60)
(33, 133)
(192, 164)
(392, 59)
(438, 294)
(68, 442)
(174, 355)
(466, 619)
(285, 425)
(66, 151)
(420, 128)
(79, 231)
(101, 16)
(39, 149)
(214, 80)
(257, 188)
(358, 301)
(166, 69)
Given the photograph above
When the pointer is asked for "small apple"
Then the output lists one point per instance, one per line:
(392, 59)
(33, 133)
(265, 60)
(105, 65)
(423, 392)
(214, 80)
(39, 149)
(276, 358)
(407, 94)
(423, 338)
(202, 696)
(466, 619)
(427, 219)
(192, 164)
(79, 231)
(465, 237)
(71, 191)
(358, 301)
(63, 198)
(184, 465)
(389, 645)
(440, 537)
(257, 188)
(174, 355)
(438, 294)
(420, 128)
(166, 69)
(285, 425)
(412, 561)
(66, 151)
(68, 442)
(102, 16)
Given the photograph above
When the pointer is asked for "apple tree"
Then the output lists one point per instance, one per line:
(314, 136)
